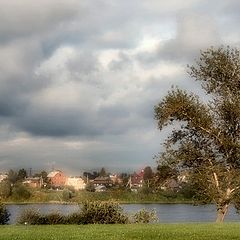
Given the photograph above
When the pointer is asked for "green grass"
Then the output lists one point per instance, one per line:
(135, 231)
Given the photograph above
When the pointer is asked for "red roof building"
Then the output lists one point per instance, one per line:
(57, 178)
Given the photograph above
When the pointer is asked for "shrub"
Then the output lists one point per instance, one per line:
(106, 212)
(33, 217)
(4, 214)
(5, 189)
(30, 216)
(21, 192)
(90, 187)
(169, 194)
(144, 216)
(66, 194)
(54, 218)
(75, 218)
(97, 212)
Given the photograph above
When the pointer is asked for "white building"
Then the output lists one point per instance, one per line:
(76, 182)
(3, 177)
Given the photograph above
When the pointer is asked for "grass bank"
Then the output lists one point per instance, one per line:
(225, 231)
(121, 196)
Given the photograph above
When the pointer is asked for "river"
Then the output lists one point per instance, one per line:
(167, 213)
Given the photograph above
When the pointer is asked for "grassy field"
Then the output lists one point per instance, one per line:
(135, 231)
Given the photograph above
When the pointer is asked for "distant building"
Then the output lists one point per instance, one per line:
(170, 184)
(3, 177)
(77, 182)
(116, 179)
(57, 178)
(135, 180)
(34, 182)
(102, 181)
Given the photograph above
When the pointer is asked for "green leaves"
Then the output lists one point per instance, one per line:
(180, 106)
(208, 141)
(218, 70)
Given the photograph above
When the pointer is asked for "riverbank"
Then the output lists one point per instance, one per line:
(224, 231)
(123, 197)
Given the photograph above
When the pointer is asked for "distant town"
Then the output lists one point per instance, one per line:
(20, 185)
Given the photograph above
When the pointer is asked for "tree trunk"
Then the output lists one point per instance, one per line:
(221, 213)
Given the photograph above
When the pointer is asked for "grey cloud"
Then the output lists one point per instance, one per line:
(57, 123)
(115, 102)
(20, 19)
(124, 62)
(85, 63)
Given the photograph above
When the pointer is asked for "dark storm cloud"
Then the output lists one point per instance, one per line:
(79, 79)
(27, 18)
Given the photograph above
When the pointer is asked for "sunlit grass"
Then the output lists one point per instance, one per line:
(134, 231)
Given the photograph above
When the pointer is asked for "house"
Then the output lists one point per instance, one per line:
(34, 182)
(103, 181)
(170, 184)
(76, 182)
(3, 177)
(116, 179)
(135, 180)
(57, 178)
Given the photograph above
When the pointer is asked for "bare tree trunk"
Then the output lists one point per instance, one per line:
(221, 213)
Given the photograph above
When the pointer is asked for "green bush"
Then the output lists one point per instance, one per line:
(33, 217)
(75, 218)
(20, 192)
(144, 216)
(66, 194)
(5, 189)
(97, 212)
(30, 216)
(4, 214)
(106, 212)
(90, 187)
(54, 218)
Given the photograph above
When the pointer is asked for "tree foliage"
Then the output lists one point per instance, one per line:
(12, 176)
(207, 143)
(5, 189)
(4, 214)
(147, 173)
(20, 192)
(22, 174)
(103, 172)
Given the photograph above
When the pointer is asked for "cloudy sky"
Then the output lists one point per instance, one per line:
(79, 79)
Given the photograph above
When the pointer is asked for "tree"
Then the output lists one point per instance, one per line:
(12, 176)
(4, 214)
(5, 189)
(164, 173)
(20, 192)
(90, 176)
(207, 141)
(43, 174)
(147, 175)
(22, 174)
(103, 173)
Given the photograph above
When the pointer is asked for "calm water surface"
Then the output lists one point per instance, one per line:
(167, 213)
